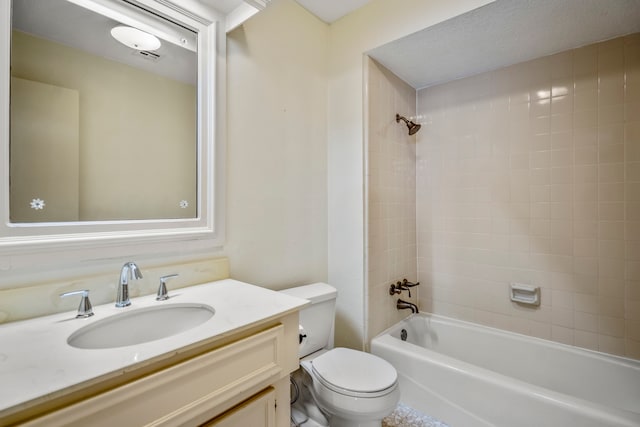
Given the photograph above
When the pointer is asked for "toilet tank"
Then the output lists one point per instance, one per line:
(317, 319)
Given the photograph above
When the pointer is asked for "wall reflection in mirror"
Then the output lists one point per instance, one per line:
(101, 129)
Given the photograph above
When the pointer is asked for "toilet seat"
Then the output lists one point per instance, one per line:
(354, 373)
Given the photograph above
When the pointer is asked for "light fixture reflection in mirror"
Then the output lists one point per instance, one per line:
(99, 131)
(135, 38)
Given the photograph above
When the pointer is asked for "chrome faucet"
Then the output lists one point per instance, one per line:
(129, 271)
(401, 305)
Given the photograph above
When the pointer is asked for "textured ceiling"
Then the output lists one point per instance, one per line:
(503, 33)
(332, 10)
(327, 10)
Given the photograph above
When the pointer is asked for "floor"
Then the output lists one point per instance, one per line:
(405, 416)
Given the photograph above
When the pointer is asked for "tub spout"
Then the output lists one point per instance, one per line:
(401, 305)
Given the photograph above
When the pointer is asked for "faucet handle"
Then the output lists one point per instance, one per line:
(408, 284)
(84, 309)
(405, 285)
(162, 288)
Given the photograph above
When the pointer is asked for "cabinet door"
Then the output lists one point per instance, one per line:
(258, 411)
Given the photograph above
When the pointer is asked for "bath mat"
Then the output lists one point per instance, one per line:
(404, 416)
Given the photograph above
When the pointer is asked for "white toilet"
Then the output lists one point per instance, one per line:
(351, 388)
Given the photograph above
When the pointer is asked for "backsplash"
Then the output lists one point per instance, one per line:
(531, 174)
(40, 299)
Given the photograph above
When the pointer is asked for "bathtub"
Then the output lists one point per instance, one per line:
(470, 375)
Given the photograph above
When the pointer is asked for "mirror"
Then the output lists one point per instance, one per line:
(102, 142)
(100, 130)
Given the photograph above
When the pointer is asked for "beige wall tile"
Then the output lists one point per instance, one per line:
(585, 211)
(610, 153)
(632, 230)
(586, 303)
(540, 329)
(611, 89)
(584, 118)
(632, 349)
(611, 115)
(631, 111)
(585, 321)
(585, 229)
(632, 171)
(609, 344)
(585, 247)
(632, 270)
(562, 334)
(586, 155)
(612, 249)
(633, 330)
(586, 136)
(632, 309)
(612, 172)
(585, 99)
(611, 230)
(632, 250)
(610, 134)
(586, 339)
(611, 211)
(584, 191)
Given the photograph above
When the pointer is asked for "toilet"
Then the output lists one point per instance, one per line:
(337, 387)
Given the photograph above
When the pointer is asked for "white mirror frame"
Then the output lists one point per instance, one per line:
(209, 223)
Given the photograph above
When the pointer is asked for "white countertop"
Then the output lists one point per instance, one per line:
(37, 363)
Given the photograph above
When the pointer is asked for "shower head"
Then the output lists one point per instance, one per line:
(413, 127)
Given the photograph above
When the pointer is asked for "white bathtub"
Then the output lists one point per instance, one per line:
(470, 375)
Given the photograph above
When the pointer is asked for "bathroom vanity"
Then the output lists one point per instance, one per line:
(230, 370)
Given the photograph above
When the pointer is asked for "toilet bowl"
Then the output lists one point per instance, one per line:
(342, 387)
(353, 387)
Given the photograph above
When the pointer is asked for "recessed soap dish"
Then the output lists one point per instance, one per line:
(525, 294)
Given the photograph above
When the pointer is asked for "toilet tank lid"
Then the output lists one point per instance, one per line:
(315, 292)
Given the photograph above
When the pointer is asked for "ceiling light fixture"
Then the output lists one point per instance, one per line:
(135, 38)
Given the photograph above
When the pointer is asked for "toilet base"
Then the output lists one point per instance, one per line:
(307, 416)
(304, 411)
(338, 422)
(299, 418)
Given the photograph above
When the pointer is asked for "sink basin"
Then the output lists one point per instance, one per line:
(142, 325)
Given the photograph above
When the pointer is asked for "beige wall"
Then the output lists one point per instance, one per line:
(136, 160)
(277, 159)
(390, 169)
(530, 174)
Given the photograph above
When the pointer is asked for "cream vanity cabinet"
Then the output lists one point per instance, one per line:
(241, 380)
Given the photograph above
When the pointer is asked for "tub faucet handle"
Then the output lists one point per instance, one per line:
(84, 309)
(408, 284)
(402, 287)
(405, 285)
(162, 288)
(394, 290)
